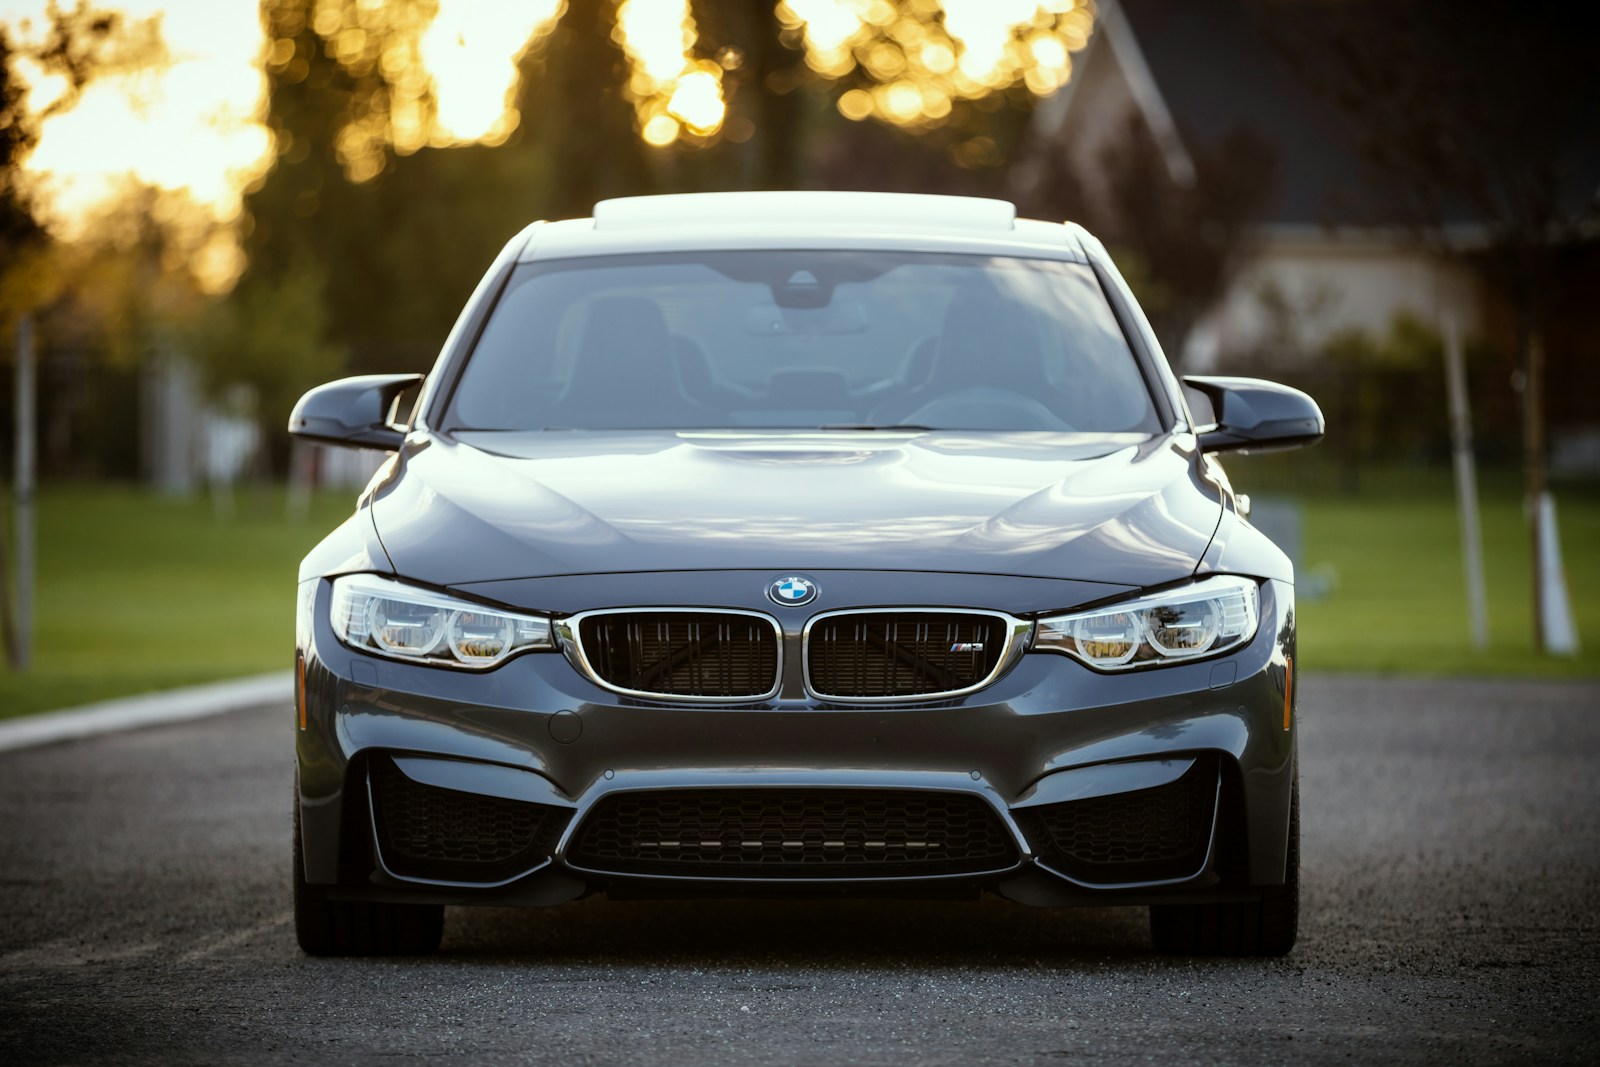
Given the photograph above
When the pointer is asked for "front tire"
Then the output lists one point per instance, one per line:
(359, 927)
(1261, 928)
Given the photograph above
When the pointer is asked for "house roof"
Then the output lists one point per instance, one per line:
(1217, 70)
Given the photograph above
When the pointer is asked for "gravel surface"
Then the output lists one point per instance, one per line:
(1451, 869)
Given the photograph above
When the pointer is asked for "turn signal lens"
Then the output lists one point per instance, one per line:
(1212, 615)
(393, 619)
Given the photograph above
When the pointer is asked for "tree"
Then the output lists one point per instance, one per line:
(1181, 244)
(77, 45)
(1477, 126)
(100, 302)
(910, 63)
(19, 132)
(403, 230)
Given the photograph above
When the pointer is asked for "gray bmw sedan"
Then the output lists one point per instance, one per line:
(798, 543)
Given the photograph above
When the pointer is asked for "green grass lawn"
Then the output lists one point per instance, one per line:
(137, 592)
(1399, 601)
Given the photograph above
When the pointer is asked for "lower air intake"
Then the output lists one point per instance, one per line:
(792, 833)
(1150, 835)
(445, 835)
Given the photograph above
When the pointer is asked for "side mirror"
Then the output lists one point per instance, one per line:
(1247, 413)
(356, 412)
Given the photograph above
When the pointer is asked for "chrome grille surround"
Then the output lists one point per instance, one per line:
(569, 632)
(1017, 633)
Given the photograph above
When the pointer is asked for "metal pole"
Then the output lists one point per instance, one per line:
(26, 471)
(1560, 635)
(1466, 483)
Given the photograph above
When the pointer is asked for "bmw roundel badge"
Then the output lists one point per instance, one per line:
(792, 591)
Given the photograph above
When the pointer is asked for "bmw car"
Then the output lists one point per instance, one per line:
(798, 544)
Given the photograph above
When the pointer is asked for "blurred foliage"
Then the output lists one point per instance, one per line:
(76, 45)
(104, 310)
(361, 254)
(1180, 243)
(401, 250)
(1475, 123)
(102, 304)
(1383, 396)
(271, 339)
(350, 276)
(18, 134)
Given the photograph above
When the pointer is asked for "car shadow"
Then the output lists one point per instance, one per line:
(982, 934)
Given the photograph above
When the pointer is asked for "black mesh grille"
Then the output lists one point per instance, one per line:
(1149, 835)
(442, 834)
(903, 653)
(687, 654)
(792, 833)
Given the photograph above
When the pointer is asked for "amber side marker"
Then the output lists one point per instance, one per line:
(300, 690)
(1288, 691)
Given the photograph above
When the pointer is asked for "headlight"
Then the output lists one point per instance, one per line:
(1212, 615)
(383, 616)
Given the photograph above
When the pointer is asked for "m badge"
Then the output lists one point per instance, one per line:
(967, 646)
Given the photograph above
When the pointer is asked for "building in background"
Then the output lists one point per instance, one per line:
(1329, 250)
(1326, 246)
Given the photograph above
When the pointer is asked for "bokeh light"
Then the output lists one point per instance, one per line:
(673, 92)
(448, 67)
(470, 50)
(923, 55)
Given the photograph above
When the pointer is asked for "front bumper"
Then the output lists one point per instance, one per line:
(1051, 744)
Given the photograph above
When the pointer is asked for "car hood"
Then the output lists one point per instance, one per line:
(1125, 509)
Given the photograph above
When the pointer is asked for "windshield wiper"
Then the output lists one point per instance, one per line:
(903, 427)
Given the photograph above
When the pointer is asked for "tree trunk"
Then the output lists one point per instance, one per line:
(779, 116)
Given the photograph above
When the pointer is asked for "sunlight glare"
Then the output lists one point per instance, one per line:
(471, 51)
(190, 129)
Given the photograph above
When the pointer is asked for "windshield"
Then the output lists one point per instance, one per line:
(805, 340)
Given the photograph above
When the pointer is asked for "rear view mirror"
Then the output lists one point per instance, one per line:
(355, 412)
(1233, 414)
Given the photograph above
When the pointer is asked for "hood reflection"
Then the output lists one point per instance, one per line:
(1113, 508)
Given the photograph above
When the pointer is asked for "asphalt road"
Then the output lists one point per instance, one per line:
(1452, 871)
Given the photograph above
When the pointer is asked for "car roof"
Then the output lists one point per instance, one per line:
(803, 219)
